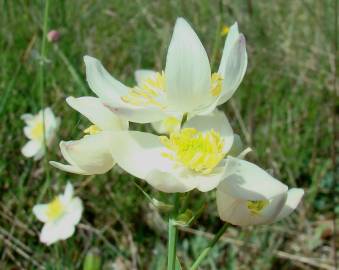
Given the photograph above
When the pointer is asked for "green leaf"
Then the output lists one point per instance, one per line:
(177, 264)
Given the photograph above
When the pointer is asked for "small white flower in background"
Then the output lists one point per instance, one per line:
(248, 195)
(91, 154)
(60, 216)
(186, 86)
(34, 131)
(193, 157)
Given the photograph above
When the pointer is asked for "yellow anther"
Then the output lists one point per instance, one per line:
(92, 130)
(55, 209)
(200, 152)
(216, 84)
(224, 30)
(148, 92)
(37, 130)
(255, 207)
(171, 124)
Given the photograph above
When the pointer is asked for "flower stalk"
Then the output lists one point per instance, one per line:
(172, 235)
(205, 252)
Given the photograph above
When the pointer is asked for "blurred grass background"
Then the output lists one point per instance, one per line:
(284, 110)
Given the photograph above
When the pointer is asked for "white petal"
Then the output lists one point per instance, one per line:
(91, 154)
(245, 180)
(294, 196)
(216, 121)
(31, 148)
(27, 117)
(74, 211)
(102, 83)
(55, 231)
(232, 35)
(187, 72)
(39, 211)
(137, 114)
(235, 68)
(68, 168)
(68, 194)
(140, 154)
(28, 132)
(97, 113)
(237, 146)
(143, 74)
(234, 210)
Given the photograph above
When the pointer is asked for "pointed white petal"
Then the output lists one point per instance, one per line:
(235, 68)
(102, 83)
(232, 35)
(68, 168)
(39, 211)
(91, 154)
(97, 113)
(216, 121)
(235, 211)
(68, 194)
(31, 148)
(187, 72)
(245, 180)
(143, 74)
(294, 196)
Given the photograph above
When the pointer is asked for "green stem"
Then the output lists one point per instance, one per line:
(41, 92)
(172, 236)
(205, 252)
(72, 70)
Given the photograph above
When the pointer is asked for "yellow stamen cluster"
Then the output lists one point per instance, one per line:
(255, 207)
(55, 209)
(200, 152)
(216, 84)
(92, 130)
(147, 92)
(37, 131)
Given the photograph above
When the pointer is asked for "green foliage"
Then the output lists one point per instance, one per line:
(283, 110)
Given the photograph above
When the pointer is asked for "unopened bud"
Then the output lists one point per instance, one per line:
(92, 260)
(53, 36)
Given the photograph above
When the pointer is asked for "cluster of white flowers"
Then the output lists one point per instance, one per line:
(197, 148)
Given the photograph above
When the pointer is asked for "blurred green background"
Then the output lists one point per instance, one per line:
(284, 110)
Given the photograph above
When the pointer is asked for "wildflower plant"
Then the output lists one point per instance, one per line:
(197, 149)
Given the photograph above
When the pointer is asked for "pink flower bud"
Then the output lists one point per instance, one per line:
(53, 36)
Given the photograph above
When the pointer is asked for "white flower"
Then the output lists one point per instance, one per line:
(190, 158)
(250, 196)
(186, 85)
(34, 131)
(60, 216)
(91, 154)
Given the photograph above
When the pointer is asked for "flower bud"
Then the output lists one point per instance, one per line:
(53, 36)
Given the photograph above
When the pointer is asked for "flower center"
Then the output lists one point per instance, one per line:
(256, 207)
(55, 209)
(92, 130)
(216, 83)
(38, 130)
(200, 152)
(148, 92)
